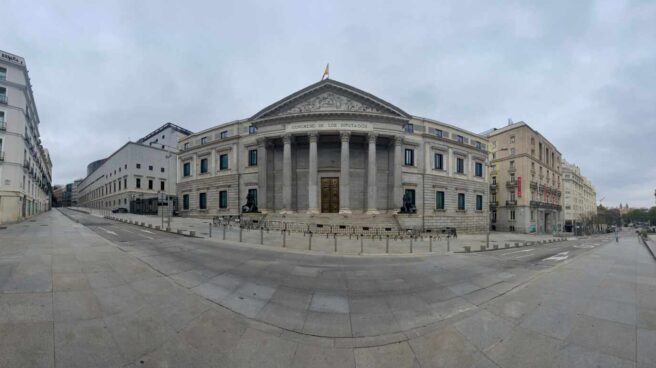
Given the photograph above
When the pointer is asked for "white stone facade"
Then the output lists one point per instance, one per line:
(332, 148)
(25, 166)
(580, 202)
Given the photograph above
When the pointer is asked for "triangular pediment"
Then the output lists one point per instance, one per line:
(329, 96)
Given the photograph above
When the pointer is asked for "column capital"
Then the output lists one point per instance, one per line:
(398, 140)
(313, 136)
(287, 138)
(372, 136)
(345, 136)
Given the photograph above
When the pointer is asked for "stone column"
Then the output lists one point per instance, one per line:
(450, 164)
(262, 175)
(287, 174)
(470, 166)
(345, 175)
(313, 206)
(397, 195)
(371, 175)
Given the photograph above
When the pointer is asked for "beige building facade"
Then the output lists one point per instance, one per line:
(25, 166)
(333, 151)
(525, 181)
(580, 201)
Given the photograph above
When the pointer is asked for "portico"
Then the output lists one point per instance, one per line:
(329, 172)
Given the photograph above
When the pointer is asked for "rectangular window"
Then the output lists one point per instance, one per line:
(461, 201)
(138, 166)
(478, 171)
(439, 161)
(409, 157)
(512, 215)
(125, 183)
(223, 162)
(411, 194)
(479, 202)
(186, 169)
(203, 165)
(252, 129)
(224, 134)
(119, 185)
(223, 199)
(409, 128)
(138, 183)
(203, 140)
(150, 184)
(2, 117)
(460, 165)
(253, 193)
(438, 133)
(161, 186)
(478, 145)
(439, 200)
(202, 201)
(185, 146)
(460, 139)
(252, 157)
(185, 202)
(162, 169)
(3, 95)
(150, 167)
(3, 74)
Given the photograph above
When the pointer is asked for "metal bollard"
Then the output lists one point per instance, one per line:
(411, 245)
(241, 230)
(361, 245)
(284, 238)
(224, 231)
(387, 245)
(448, 244)
(262, 236)
(335, 241)
(310, 242)
(430, 243)
(209, 223)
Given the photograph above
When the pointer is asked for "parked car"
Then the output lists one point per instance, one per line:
(120, 210)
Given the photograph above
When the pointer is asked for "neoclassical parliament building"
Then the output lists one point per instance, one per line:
(332, 151)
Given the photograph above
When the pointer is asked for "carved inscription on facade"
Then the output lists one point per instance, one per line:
(329, 125)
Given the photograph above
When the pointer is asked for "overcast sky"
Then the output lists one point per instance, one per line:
(583, 73)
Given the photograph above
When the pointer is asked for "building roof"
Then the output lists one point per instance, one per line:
(496, 131)
(163, 128)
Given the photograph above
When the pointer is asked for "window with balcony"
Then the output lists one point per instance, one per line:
(223, 199)
(439, 200)
(252, 157)
(223, 162)
(203, 166)
(3, 74)
(461, 201)
(409, 157)
(3, 95)
(202, 201)
(439, 161)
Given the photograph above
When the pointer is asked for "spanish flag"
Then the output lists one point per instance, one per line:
(326, 72)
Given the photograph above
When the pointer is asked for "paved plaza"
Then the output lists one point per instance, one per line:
(82, 291)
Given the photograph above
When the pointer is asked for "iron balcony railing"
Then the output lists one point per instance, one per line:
(3, 99)
(493, 187)
(494, 204)
(3, 125)
(511, 183)
(511, 203)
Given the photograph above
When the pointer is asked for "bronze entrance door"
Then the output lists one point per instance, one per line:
(330, 195)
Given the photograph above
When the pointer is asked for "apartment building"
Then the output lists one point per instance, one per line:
(580, 201)
(25, 165)
(333, 151)
(525, 181)
(133, 176)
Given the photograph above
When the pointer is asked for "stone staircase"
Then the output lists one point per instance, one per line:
(326, 222)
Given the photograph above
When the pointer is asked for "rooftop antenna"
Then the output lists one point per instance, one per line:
(510, 122)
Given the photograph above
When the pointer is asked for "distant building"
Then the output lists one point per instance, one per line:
(525, 181)
(580, 200)
(25, 166)
(68, 195)
(133, 175)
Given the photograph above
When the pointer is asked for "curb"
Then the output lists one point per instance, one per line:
(646, 243)
(187, 233)
(483, 248)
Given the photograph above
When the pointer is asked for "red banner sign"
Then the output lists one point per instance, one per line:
(519, 186)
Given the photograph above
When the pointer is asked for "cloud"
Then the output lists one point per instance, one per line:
(582, 73)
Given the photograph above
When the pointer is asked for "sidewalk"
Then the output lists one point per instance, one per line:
(355, 244)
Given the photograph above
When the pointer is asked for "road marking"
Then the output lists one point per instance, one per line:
(109, 231)
(585, 246)
(146, 231)
(558, 257)
(519, 251)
